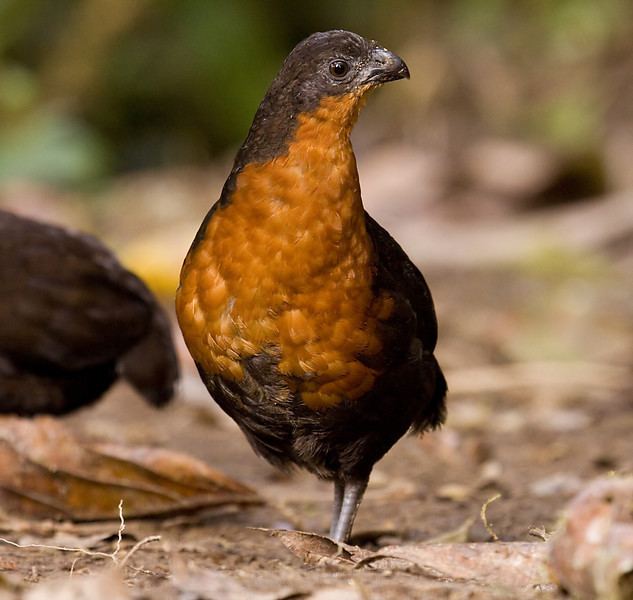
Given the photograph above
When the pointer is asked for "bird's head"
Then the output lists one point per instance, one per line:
(329, 72)
(336, 63)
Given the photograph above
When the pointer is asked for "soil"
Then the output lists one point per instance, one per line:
(535, 442)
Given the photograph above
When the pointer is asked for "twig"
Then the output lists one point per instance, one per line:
(62, 548)
(113, 556)
(137, 546)
(119, 535)
(484, 517)
(72, 566)
(147, 572)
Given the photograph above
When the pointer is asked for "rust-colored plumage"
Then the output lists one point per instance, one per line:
(305, 289)
(308, 323)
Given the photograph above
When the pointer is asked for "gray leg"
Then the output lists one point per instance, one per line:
(339, 487)
(352, 496)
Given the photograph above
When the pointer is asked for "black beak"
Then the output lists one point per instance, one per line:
(385, 66)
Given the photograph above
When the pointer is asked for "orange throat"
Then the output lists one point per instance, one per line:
(285, 267)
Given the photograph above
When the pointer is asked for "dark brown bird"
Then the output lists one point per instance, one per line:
(309, 324)
(73, 320)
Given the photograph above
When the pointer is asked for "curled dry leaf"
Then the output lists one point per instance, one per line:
(316, 549)
(592, 553)
(45, 472)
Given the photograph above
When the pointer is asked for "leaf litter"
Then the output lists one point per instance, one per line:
(46, 472)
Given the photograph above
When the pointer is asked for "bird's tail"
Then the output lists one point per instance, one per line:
(439, 398)
(152, 366)
(433, 414)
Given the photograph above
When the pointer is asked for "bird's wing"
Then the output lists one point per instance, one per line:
(415, 318)
(395, 271)
(65, 300)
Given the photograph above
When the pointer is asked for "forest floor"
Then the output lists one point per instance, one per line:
(532, 435)
(536, 352)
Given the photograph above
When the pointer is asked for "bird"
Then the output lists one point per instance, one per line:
(72, 321)
(307, 321)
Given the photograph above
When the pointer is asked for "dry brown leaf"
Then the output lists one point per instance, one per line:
(316, 549)
(193, 475)
(45, 472)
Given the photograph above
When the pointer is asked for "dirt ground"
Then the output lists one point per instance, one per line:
(533, 433)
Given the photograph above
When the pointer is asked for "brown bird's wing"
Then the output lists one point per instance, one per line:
(424, 382)
(397, 272)
(69, 307)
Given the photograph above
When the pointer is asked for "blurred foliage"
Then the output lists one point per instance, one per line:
(94, 87)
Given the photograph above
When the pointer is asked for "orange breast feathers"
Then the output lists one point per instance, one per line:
(286, 264)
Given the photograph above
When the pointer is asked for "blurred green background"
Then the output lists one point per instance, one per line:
(94, 88)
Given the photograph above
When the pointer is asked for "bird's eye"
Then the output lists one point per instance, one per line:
(339, 68)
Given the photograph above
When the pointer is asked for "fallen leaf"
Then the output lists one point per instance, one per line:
(316, 549)
(45, 472)
(193, 475)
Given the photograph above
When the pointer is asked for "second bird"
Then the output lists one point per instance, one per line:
(309, 324)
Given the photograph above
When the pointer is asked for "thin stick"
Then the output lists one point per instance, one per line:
(113, 556)
(139, 544)
(62, 548)
(119, 536)
(484, 518)
(72, 566)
